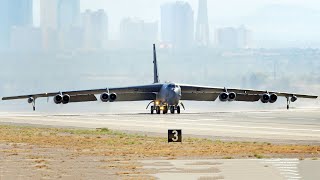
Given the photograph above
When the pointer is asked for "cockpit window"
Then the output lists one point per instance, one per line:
(171, 86)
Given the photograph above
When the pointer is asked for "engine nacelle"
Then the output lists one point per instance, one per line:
(224, 97)
(58, 99)
(232, 96)
(273, 98)
(30, 100)
(112, 97)
(294, 98)
(104, 97)
(65, 99)
(265, 98)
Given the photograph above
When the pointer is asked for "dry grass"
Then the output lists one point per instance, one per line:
(116, 144)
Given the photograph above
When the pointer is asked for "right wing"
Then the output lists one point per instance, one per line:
(131, 93)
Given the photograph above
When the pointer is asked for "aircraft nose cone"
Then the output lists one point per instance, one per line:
(174, 97)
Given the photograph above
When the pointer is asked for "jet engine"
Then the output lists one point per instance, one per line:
(30, 100)
(104, 97)
(113, 97)
(265, 98)
(294, 98)
(273, 98)
(65, 99)
(232, 96)
(58, 99)
(224, 97)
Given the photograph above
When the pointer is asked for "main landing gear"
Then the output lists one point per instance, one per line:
(164, 109)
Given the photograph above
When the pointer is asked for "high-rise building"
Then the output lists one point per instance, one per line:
(25, 39)
(95, 26)
(68, 13)
(134, 32)
(49, 14)
(202, 28)
(14, 13)
(233, 38)
(58, 19)
(177, 24)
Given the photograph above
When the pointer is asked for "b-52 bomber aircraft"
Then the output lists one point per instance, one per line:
(164, 96)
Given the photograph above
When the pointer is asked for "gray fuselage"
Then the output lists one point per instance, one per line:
(169, 94)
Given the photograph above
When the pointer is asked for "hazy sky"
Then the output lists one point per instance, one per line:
(221, 13)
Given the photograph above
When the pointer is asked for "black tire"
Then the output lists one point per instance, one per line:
(158, 109)
(165, 109)
(152, 109)
(178, 109)
(172, 109)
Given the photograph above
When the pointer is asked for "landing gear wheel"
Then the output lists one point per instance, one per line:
(152, 109)
(158, 109)
(172, 109)
(178, 109)
(165, 109)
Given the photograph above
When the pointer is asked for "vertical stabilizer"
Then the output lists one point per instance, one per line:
(155, 66)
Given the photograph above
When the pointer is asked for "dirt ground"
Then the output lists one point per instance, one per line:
(52, 153)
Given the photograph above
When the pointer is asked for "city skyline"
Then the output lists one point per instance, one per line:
(229, 13)
(273, 24)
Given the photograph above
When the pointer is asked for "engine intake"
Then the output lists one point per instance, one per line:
(273, 98)
(65, 99)
(113, 97)
(265, 98)
(58, 99)
(224, 97)
(104, 97)
(232, 96)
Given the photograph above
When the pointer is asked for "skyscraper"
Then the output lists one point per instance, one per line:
(68, 13)
(134, 32)
(57, 19)
(49, 14)
(202, 29)
(233, 38)
(59, 14)
(177, 24)
(95, 25)
(14, 13)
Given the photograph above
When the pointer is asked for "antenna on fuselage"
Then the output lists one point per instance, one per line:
(155, 66)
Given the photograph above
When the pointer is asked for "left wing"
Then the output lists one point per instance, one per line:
(207, 93)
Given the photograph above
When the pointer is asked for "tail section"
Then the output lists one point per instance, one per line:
(155, 66)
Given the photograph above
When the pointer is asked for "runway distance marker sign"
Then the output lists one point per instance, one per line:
(174, 135)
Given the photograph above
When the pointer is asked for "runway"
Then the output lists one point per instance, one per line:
(277, 126)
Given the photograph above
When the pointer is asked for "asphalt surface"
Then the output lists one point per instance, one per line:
(244, 169)
(277, 126)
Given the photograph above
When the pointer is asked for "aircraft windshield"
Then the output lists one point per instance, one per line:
(171, 86)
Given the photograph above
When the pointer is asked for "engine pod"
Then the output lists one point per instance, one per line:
(223, 96)
(265, 98)
(104, 97)
(65, 99)
(294, 98)
(58, 99)
(30, 100)
(273, 98)
(112, 97)
(232, 96)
